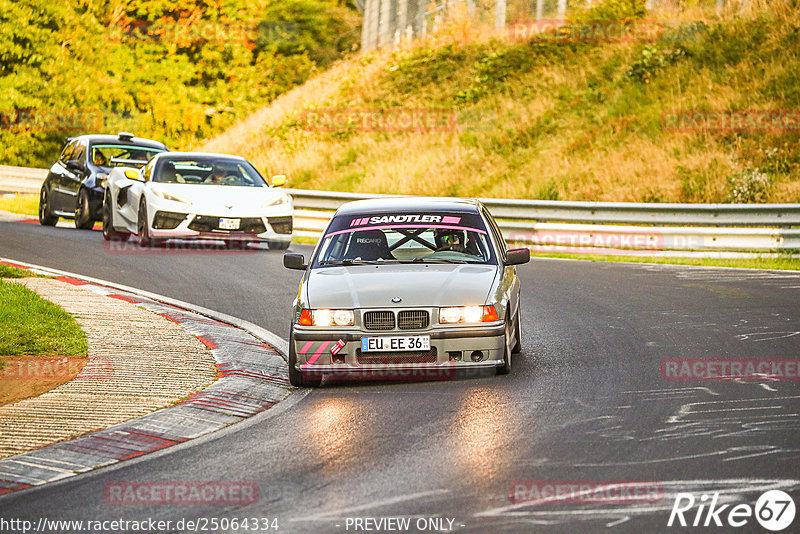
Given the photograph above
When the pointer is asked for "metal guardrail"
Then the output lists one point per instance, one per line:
(558, 226)
(21, 179)
(604, 227)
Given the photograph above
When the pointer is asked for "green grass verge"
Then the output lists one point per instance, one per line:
(7, 271)
(24, 204)
(783, 262)
(33, 326)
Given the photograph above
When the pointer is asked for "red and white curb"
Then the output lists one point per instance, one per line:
(253, 376)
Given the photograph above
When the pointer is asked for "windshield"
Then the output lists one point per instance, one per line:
(211, 170)
(412, 238)
(111, 155)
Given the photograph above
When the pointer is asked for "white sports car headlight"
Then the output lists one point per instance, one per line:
(277, 201)
(166, 195)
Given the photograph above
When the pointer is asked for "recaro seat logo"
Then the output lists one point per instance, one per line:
(774, 510)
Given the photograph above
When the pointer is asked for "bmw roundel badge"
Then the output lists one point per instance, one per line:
(396, 299)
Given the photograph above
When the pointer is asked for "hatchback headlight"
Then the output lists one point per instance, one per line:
(468, 314)
(326, 317)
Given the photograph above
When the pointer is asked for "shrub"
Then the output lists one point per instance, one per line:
(751, 185)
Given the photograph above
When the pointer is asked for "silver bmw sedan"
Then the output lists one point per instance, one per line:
(406, 288)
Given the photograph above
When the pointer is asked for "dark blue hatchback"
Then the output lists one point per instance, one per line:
(75, 185)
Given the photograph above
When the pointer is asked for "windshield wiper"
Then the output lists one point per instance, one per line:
(355, 262)
(434, 260)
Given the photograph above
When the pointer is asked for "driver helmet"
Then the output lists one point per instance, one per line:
(221, 170)
(99, 158)
(449, 238)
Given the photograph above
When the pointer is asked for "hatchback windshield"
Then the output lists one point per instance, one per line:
(386, 238)
(207, 171)
(111, 155)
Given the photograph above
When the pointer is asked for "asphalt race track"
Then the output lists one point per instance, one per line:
(585, 401)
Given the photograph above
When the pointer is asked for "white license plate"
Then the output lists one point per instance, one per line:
(395, 343)
(229, 224)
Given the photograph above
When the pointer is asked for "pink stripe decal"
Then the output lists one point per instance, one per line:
(306, 347)
(439, 226)
(320, 350)
(451, 220)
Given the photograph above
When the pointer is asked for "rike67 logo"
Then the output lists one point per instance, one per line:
(774, 510)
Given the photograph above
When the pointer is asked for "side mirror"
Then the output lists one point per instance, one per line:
(75, 165)
(130, 174)
(279, 180)
(294, 261)
(518, 256)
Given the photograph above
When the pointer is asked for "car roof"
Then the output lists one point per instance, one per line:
(197, 155)
(409, 204)
(114, 139)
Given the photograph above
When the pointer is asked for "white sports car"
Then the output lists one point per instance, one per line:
(188, 195)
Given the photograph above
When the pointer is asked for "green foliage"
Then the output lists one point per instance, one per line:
(562, 119)
(614, 10)
(178, 72)
(652, 59)
(684, 34)
(726, 45)
(548, 191)
(424, 66)
(499, 62)
(324, 29)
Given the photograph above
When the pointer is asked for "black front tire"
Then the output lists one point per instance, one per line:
(46, 217)
(506, 367)
(83, 212)
(143, 228)
(109, 234)
(296, 377)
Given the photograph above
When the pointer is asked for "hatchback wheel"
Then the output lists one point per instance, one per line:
(83, 215)
(46, 217)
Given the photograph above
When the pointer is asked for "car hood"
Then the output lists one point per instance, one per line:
(216, 197)
(374, 286)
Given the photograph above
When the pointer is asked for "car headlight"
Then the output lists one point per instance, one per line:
(166, 195)
(468, 314)
(325, 317)
(280, 200)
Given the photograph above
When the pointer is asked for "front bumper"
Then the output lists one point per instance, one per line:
(452, 349)
(275, 227)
